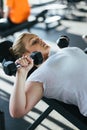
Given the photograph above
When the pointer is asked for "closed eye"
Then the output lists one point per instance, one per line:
(35, 42)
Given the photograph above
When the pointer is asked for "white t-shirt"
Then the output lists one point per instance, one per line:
(64, 77)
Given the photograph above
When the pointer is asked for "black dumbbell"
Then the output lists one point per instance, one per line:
(63, 41)
(10, 67)
(85, 50)
(4, 50)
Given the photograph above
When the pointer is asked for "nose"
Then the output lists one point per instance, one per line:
(42, 43)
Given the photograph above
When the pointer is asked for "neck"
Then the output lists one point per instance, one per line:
(47, 54)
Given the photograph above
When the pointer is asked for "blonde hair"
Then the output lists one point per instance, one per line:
(18, 48)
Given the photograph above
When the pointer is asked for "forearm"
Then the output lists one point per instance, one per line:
(18, 99)
(6, 12)
(18, 96)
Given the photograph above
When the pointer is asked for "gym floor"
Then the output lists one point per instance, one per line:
(74, 29)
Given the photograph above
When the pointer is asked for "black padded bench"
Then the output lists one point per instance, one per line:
(2, 121)
(26, 25)
(70, 112)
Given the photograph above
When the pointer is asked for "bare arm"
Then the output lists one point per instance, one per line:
(6, 11)
(25, 94)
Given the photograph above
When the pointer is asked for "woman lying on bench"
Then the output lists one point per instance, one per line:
(61, 76)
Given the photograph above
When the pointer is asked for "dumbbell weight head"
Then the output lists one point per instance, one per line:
(85, 50)
(9, 67)
(37, 57)
(63, 41)
(4, 50)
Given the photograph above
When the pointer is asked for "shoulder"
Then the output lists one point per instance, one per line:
(34, 87)
(71, 49)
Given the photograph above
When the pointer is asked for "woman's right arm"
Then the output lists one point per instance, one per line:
(25, 94)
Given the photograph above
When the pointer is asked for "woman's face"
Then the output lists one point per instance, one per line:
(34, 43)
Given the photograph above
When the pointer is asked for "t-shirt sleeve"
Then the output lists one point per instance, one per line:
(82, 103)
(39, 75)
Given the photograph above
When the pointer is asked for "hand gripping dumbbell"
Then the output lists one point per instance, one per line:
(63, 41)
(10, 67)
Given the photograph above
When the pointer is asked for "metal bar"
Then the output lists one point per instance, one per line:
(41, 118)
